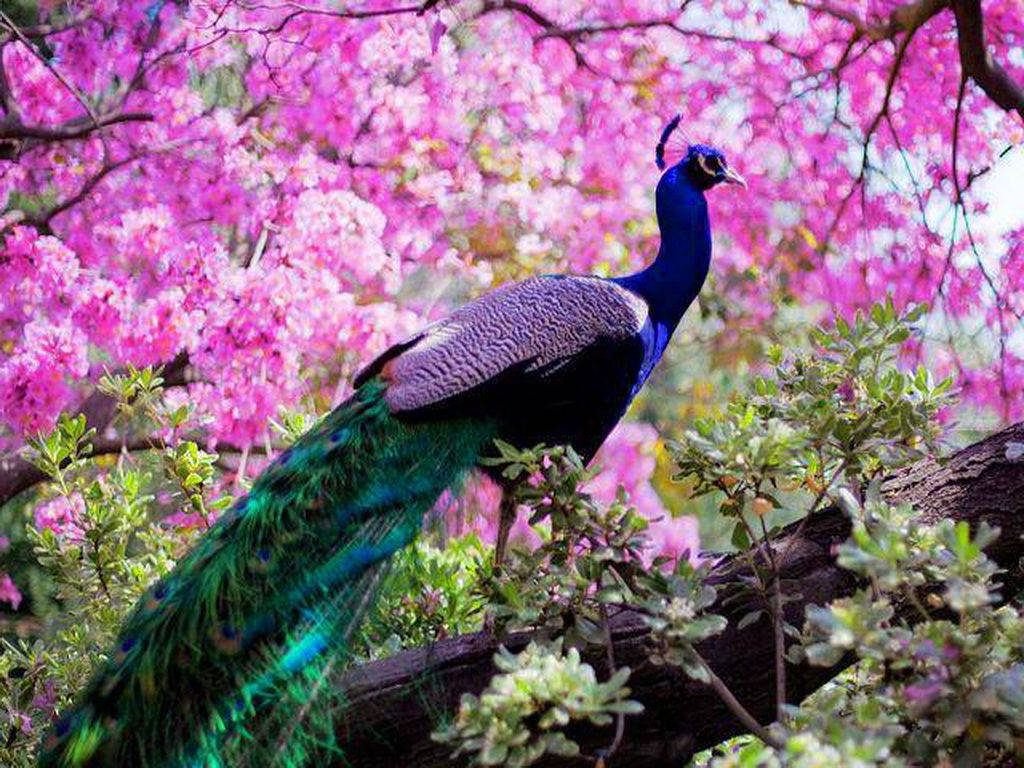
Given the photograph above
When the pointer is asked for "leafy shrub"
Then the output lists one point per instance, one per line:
(937, 653)
(937, 664)
(101, 540)
(518, 718)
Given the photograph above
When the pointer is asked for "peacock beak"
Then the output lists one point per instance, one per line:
(731, 177)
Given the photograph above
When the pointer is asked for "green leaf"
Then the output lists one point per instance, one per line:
(740, 539)
(749, 619)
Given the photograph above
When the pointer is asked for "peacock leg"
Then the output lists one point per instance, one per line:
(506, 516)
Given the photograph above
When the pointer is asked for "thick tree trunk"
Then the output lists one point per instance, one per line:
(394, 704)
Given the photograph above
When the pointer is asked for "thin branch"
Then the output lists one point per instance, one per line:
(298, 9)
(11, 112)
(42, 219)
(741, 713)
(620, 718)
(903, 18)
(978, 63)
(18, 475)
(990, 282)
(73, 129)
(858, 183)
(79, 97)
(572, 35)
(778, 624)
(56, 27)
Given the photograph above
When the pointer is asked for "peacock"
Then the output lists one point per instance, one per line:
(228, 650)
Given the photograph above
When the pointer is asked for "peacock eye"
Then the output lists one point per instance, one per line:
(710, 164)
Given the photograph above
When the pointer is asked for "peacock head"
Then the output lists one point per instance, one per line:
(702, 165)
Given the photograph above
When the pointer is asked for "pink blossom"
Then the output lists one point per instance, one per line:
(36, 381)
(63, 516)
(674, 537)
(9, 593)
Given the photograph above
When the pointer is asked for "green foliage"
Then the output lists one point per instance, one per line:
(431, 593)
(291, 424)
(139, 397)
(589, 559)
(588, 567)
(518, 717)
(954, 670)
(939, 668)
(840, 413)
(65, 448)
(675, 608)
(98, 555)
(267, 604)
(823, 426)
(938, 665)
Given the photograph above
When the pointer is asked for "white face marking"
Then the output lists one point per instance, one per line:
(705, 163)
(438, 336)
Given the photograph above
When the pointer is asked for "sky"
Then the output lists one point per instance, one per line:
(1004, 191)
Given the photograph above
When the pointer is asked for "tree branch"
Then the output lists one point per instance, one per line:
(72, 89)
(53, 27)
(18, 475)
(975, 59)
(392, 705)
(901, 19)
(978, 63)
(73, 129)
(296, 10)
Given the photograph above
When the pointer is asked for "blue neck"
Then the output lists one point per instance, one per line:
(671, 283)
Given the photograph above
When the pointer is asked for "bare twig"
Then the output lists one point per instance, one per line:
(56, 27)
(43, 218)
(858, 183)
(298, 9)
(903, 18)
(609, 645)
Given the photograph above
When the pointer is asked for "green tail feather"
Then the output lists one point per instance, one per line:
(224, 655)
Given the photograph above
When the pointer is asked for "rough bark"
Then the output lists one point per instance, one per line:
(394, 704)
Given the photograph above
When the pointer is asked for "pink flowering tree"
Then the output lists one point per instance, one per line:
(256, 186)
(259, 196)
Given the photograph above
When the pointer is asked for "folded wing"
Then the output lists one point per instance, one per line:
(523, 334)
